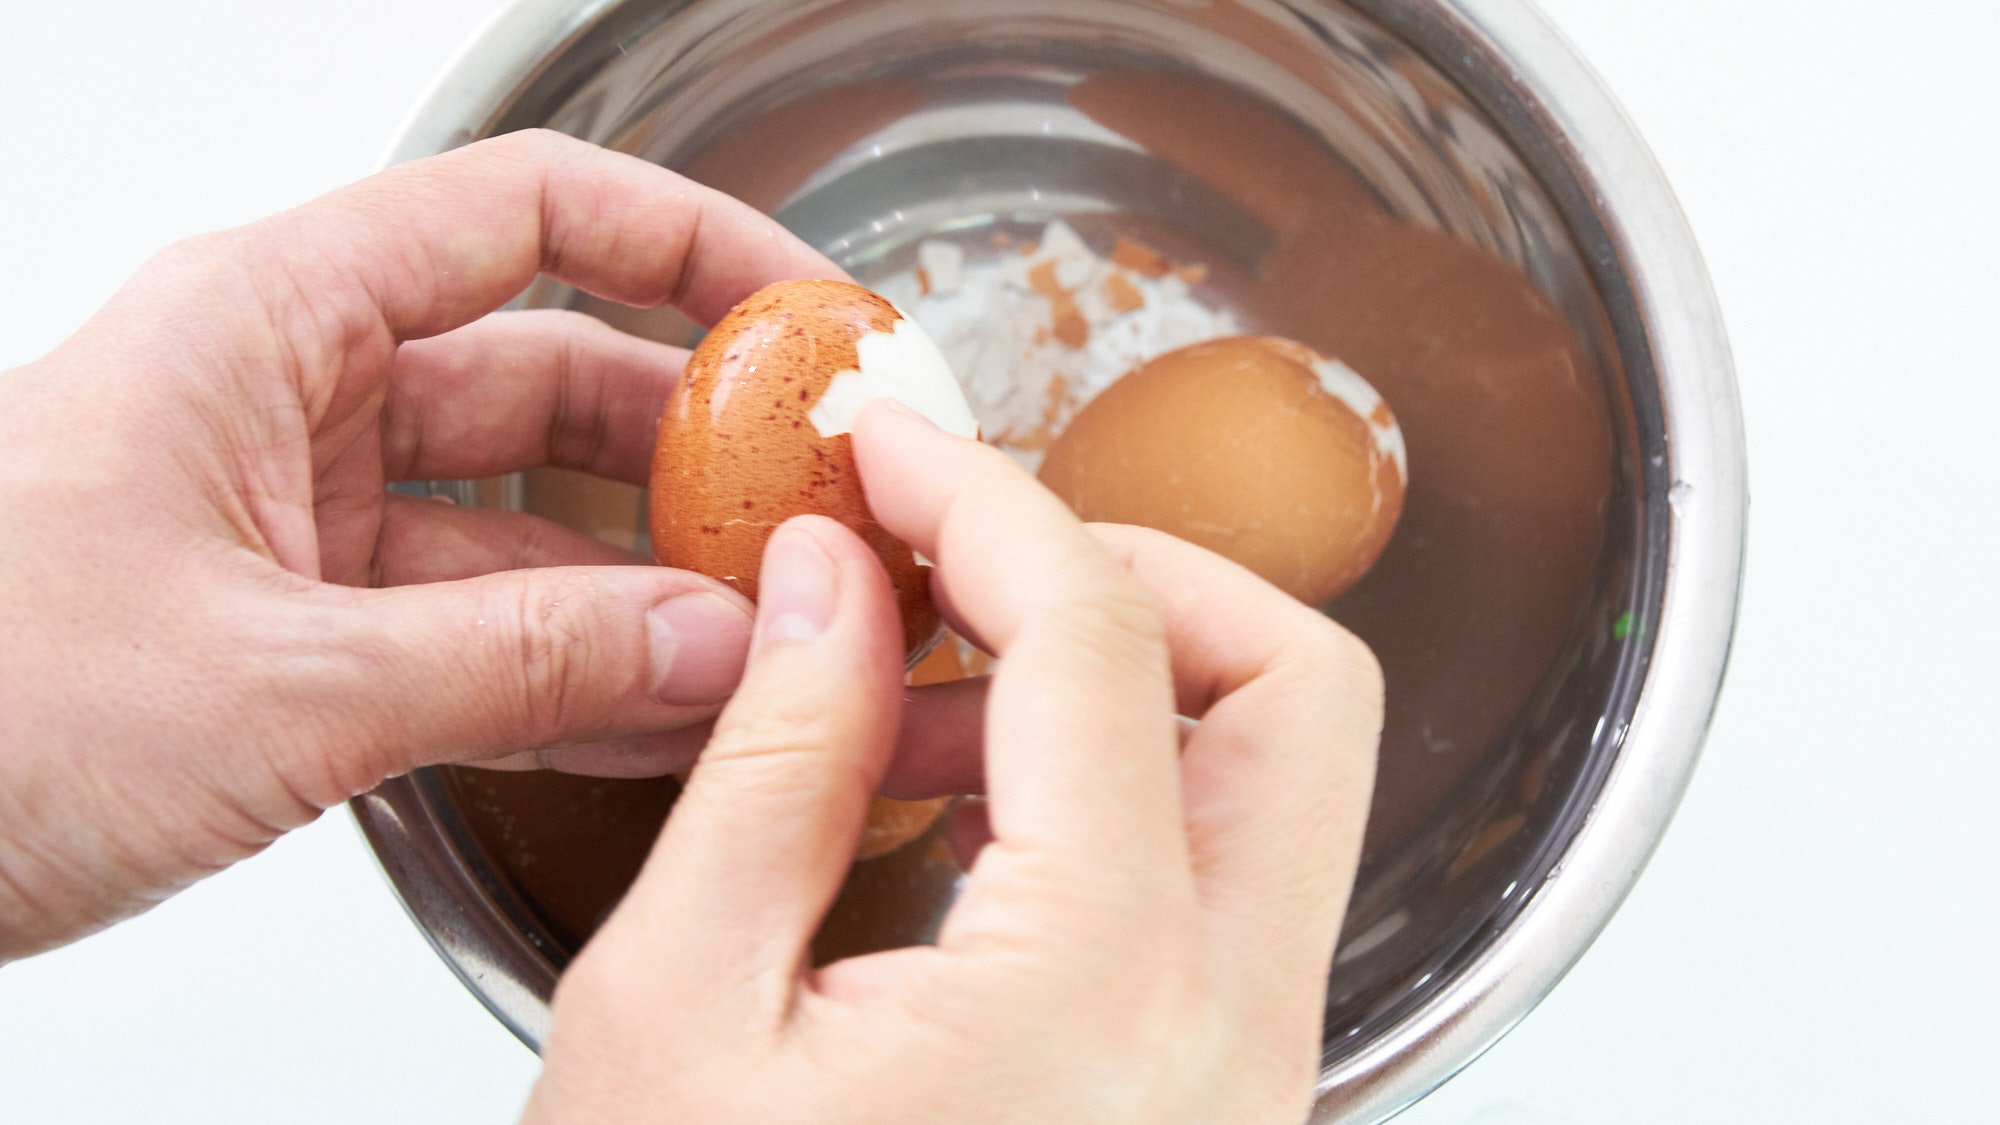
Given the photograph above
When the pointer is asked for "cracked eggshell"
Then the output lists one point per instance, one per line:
(1255, 447)
(741, 450)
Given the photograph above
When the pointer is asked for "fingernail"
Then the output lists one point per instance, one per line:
(699, 644)
(795, 590)
(898, 406)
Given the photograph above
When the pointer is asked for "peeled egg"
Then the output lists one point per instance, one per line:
(1256, 447)
(757, 432)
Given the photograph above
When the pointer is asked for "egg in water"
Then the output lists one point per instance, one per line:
(1256, 447)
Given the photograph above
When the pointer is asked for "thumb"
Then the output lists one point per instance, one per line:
(758, 844)
(527, 659)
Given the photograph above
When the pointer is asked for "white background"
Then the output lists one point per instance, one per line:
(1815, 938)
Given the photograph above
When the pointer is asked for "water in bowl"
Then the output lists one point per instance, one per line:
(1334, 189)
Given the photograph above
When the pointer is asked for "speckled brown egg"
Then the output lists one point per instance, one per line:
(741, 448)
(1255, 447)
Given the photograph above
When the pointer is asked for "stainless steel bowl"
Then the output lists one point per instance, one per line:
(866, 125)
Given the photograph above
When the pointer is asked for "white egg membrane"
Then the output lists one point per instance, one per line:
(902, 365)
(1358, 395)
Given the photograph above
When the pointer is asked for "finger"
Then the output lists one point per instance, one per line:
(517, 390)
(1225, 625)
(1080, 738)
(967, 831)
(936, 754)
(1221, 624)
(759, 843)
(939, 742)
(434, 244)
(434, 541)
(1279, 773)
(506, 662)
(653, 754)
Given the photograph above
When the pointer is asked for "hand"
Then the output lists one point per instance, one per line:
(191, 661)
(1146, 932)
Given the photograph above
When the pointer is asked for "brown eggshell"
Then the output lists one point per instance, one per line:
(737, 454)
(892, 823)
(1236, 445)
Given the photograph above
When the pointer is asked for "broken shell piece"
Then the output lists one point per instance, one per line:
(901, 364)
(943, 265)
(1140, 258)
(1075, 265)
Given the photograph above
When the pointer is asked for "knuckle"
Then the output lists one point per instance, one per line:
(534, 144)
(1332, 671)
(771, 752)
(770, 776)
(785, 746)
(1114, 615)
(1329, 650)
(772, 726)
(342, 738)
(199, 259)
(553, 654)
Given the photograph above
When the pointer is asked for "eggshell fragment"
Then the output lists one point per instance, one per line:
(752, 435)
(943, 263)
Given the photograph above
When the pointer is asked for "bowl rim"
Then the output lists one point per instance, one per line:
(1635, 240)
(1521, 70)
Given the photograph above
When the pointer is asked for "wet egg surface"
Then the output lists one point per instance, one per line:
(1255, 447)
(757, 432)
